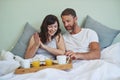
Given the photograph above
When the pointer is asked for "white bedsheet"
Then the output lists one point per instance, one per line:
(103, 69)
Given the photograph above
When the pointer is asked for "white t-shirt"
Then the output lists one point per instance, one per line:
(80, 42)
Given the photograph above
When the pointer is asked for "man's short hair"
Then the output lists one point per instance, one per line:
(69, 11)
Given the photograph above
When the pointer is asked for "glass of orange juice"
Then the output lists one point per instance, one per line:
(48, 62)
(35, 63)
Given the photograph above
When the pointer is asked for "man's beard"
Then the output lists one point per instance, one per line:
(70, 31)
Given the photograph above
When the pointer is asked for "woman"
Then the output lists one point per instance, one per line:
(49, 42)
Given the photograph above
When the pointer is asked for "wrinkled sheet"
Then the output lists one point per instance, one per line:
(82, 70)
(103, 69)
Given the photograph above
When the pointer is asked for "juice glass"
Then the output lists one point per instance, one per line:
(35, 63)
(48, 62)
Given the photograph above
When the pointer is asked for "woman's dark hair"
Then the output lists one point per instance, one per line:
(48, 20)
(69, 11)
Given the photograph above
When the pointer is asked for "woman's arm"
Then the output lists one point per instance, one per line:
(33, 46)
(60, 46)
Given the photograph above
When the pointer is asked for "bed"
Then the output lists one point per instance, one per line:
(106, 68)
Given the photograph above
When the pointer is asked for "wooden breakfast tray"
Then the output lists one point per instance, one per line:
(35, 69)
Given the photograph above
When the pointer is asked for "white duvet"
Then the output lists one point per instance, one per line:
(107, 68)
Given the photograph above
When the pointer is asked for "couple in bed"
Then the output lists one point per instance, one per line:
(77, 43)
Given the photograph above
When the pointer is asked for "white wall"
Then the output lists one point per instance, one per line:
(15, 13)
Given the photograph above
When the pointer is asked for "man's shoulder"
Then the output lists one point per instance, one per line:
(88, 29)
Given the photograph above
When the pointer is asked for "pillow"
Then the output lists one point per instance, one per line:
(117, 39)
(106, 35)
(112, 53)
(20, 47)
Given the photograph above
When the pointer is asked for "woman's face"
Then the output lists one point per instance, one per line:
(52, 29)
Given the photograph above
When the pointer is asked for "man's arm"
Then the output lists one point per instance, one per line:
(94, 53)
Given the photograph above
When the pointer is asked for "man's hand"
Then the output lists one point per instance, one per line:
(71, 54)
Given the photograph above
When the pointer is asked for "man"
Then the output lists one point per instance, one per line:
(81, 43)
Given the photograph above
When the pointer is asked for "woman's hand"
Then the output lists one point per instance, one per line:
(38, 42)
(37, 39)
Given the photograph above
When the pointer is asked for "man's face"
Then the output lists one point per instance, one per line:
(69, 22)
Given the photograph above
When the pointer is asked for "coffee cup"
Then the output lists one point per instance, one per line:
(62, 59)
